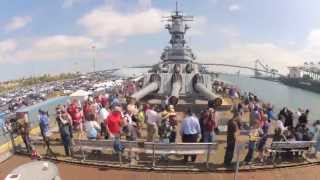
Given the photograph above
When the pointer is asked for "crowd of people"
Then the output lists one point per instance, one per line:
(108, 117)
(286, 127)
(111, 117)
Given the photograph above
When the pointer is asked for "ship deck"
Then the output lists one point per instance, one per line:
(75, 172)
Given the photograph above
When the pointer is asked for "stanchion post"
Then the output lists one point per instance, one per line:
(153, 154)
(208, 155)
(82, 151)
(238, 147)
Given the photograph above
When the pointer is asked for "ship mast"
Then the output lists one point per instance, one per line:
(177, 29)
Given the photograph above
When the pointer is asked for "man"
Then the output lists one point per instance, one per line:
(23, 129)
(190, 130)
(114, 122)
(232, 132)
(103, 115)
(44, 128)
(65, 127)
(152, 119)
(303, 119)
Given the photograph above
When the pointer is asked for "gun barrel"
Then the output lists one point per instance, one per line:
(176, 85)
(153, 86)
(201, 88)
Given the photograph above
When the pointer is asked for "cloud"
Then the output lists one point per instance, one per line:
(246, 53)
(240, 52)
(70, 3)
(107, 24)
(57, 47)
(17, 22)
(199, 26)
(311, 52)
(151, 52)
(145, 4)
(6, 48)
(234, 7)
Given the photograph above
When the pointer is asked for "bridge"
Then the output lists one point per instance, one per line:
(265, 69)
(257, 71)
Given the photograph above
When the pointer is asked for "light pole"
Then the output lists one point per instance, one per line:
(94, 58)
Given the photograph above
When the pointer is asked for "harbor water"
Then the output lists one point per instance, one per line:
(278, 94)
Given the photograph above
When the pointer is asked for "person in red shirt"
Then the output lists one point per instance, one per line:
(77, 120)
(72, 108)
(76, 115)
(114, 122)
(208, 125)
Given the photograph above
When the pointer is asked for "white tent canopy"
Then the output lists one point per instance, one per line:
(80, 95)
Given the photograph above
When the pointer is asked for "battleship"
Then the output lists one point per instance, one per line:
(183, 81)
(178, 76)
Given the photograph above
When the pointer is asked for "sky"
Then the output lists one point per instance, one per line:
(55, 36)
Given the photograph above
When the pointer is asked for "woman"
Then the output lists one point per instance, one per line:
(164, 131)
(253, 138)
(209, 124)
(92, 128)
(172, 117)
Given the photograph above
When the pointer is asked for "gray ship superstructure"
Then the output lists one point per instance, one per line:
(177, 75)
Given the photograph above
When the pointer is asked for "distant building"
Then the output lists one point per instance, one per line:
(295, 72)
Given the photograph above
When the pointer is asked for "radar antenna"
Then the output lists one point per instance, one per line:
(177, 8)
